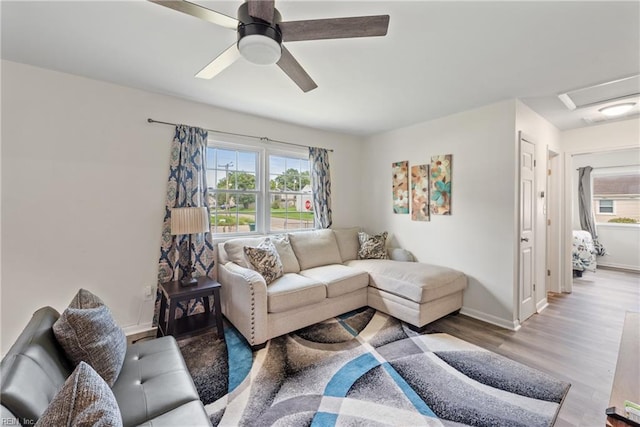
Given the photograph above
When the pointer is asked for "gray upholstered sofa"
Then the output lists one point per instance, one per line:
(154, 387)
(323, 278)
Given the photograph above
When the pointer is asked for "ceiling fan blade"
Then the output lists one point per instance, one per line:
(221, 62)
(294, 70)
(262, 9)
(200, 12)
(335, 28)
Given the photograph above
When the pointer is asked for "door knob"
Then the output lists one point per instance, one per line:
(524, 239)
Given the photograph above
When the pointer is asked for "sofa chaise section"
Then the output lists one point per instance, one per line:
(416, 293)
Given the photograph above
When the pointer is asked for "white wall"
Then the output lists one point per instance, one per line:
(622, 242)
(546, 137)
(83, 188)
(606, 137)
(478, 238)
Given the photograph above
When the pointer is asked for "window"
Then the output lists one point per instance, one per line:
(290, 193)
(256, 190)
(233, 189)
(616, 194)
(605, 206)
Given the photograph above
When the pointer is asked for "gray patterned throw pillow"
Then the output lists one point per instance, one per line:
(265, 260)
(372, 247)
(87, 333)
(84, 400)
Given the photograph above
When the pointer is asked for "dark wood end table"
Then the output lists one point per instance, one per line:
(173, 293)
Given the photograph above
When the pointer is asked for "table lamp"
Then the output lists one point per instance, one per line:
(189, 221)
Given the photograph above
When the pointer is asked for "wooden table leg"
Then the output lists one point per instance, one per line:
(162, 317)
(173, 305)
(218, 313)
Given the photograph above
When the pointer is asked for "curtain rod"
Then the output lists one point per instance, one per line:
(611, 167)
(260, 138)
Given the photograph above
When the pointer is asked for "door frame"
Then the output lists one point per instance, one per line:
(553, 206)
(566, 285)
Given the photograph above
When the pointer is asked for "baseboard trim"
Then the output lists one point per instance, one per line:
(490, 318)
(542, 304)
(137, 332)
(619, 267)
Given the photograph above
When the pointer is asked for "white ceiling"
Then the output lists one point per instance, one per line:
(437, 59)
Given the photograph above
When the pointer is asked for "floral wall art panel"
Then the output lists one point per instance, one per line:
(420, 193)
(441, 185)
(401, 187)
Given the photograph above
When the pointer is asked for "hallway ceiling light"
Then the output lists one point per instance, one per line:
(617, 109)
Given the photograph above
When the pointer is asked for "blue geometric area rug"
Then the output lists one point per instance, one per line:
(367, 369)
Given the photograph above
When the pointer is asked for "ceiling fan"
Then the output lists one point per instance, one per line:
(261, 33)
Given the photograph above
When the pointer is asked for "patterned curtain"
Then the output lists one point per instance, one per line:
(587, 219)
(187, 187)
(321, 184)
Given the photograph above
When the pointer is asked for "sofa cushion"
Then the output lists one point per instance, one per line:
(292, 291)
(189, 414)
(348, 244)
(85, 399)
(154, 380)
(287, 256)
(416, 281)
(87, 332)
(338, 278)
(265, 260)
(234, 249)
(315, 248)
(372, 247)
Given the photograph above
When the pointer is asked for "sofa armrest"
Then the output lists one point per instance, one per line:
(244, 301)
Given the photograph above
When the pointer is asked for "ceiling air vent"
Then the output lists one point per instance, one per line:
(602, 93)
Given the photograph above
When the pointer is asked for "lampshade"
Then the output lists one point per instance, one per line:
(259, 49)
(189, 220)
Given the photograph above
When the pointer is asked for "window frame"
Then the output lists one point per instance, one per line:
(613, 207)
(262, 191)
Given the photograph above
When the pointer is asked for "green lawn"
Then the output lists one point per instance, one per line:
(275, 213)
(281, 213)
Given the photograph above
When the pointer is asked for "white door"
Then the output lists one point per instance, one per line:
(526, 293)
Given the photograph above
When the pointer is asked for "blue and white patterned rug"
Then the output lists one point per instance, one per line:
(366, 368)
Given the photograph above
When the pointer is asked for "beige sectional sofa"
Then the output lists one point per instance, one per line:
(323, 278)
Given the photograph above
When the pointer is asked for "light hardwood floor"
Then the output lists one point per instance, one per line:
(575, 339)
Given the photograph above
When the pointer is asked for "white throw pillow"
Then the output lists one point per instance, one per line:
(287, 256)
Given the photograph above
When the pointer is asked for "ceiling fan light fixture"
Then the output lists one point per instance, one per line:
(617, 109)
(259, 49)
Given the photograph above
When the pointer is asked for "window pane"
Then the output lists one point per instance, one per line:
(276, 165)
(606, 206)
(211, 157)
(288, 212)
(225, 157)
(247, 161)
(234, 213)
